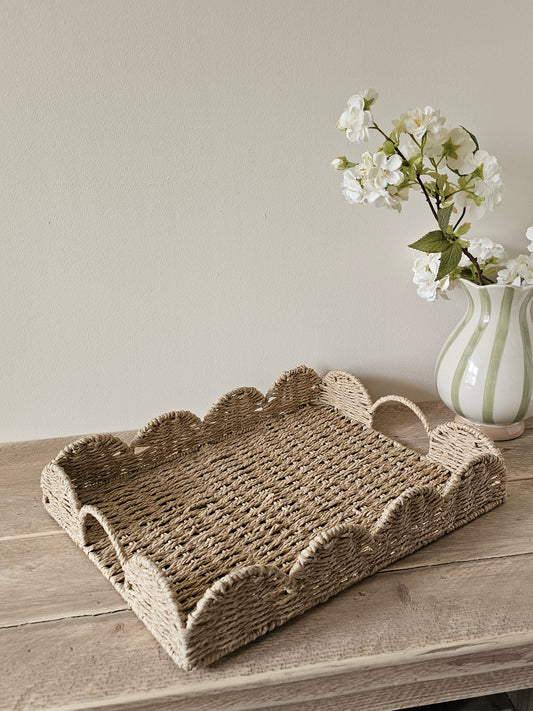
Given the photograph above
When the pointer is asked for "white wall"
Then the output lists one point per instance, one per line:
(170, 226)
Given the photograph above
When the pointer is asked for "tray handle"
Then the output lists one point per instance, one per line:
(403, 401)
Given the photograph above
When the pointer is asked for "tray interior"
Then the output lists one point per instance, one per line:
(258, 497)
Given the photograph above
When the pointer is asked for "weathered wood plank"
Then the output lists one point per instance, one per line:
(344, 692)
(49, 577)
(21, 463)
(396, 629)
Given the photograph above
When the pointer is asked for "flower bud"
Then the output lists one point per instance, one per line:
(340, 163)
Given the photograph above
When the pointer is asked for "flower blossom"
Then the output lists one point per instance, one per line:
(385, 170)
(363, 168)
(483, 249)
(490, 186)
(353, 191)
(356, 119)
(375, 181)
(377, 173)
(418, 122)
(393, 198)
(435, 142)
(425, 269)
(459, 149)
(518, 271)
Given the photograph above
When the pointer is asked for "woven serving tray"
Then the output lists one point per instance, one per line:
(217, 531)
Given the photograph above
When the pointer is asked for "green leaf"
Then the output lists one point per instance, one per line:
(443, 217)
(472, 137)
(449, 259)
(411, 173)
(463, 229)
(431, 242)
(441, 182)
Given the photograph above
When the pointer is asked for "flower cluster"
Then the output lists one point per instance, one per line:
(458, 179)
(375, 181)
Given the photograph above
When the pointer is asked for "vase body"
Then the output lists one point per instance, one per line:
(484, 372)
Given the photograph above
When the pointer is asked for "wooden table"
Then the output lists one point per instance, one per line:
(451, 621)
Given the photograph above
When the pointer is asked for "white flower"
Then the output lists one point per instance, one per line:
(356, 118)
(396, 197)
(385, 171)
(409, 148)
(484, 249)
(362, 169)
(434, 142)
(529, 235)
(425, 269)
(490, 187)
(461, 152)
(418, 122)
(338, 163)
(392, 198)
(353, 190)
(518, 271)
(463, 199)
(368, 182)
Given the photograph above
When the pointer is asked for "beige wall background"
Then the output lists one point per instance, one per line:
(170, 225)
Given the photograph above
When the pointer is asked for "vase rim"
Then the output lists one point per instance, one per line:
(467, 283)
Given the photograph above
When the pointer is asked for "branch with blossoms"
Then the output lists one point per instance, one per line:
(459, 182)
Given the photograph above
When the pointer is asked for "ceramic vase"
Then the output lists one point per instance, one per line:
(484, 372)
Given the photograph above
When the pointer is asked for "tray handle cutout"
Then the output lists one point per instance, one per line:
(403, 401)
(92, 533)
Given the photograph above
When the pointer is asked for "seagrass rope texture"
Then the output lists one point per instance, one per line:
(217, 531)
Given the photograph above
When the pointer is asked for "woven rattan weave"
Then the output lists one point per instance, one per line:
(217, 531)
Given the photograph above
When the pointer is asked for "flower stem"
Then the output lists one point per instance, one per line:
(460, 219)
(476, 265)
(418, 178)
(465, 251)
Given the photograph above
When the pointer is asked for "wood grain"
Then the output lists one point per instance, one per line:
(396, 628)
(48, 577)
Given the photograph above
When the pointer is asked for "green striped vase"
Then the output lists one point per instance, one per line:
(484, 372)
